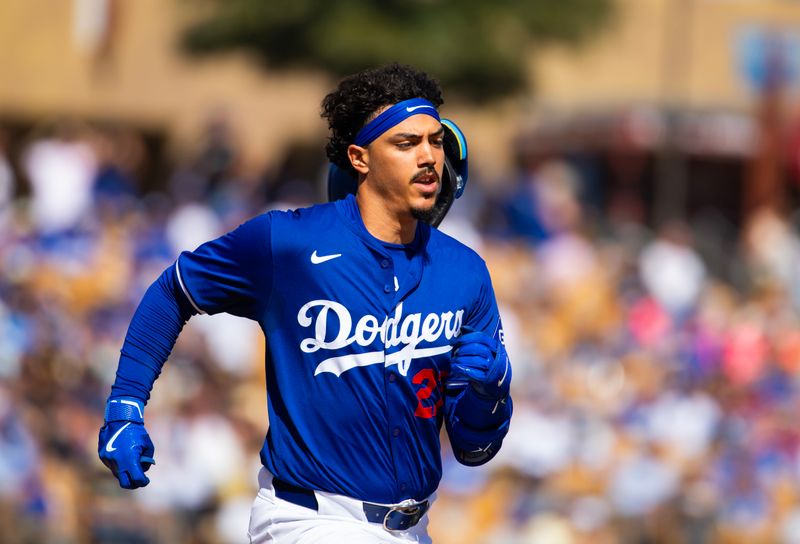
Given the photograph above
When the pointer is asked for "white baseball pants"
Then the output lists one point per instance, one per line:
(339, 520)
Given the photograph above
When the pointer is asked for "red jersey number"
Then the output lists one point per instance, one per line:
(426, 407)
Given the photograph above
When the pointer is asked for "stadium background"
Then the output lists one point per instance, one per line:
(636, 206)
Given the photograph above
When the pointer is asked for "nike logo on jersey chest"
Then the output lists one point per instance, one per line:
(319, 259)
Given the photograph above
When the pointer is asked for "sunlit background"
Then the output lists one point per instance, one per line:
(634, 181)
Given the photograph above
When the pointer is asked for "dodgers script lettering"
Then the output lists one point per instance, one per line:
(395, 330)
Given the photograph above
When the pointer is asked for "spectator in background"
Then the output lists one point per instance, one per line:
(21, 493)
(772, 253)
(672, 271)
(7, 183)
(120, 152)
(570, 276)
(210, 167)
(61, 167)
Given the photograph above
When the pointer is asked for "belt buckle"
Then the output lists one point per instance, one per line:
(405, 510)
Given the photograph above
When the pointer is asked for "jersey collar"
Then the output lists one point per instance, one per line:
(351, 216)
(348, 209)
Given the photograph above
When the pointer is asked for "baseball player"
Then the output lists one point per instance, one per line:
(379, 329)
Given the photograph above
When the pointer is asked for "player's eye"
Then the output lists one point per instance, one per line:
(404, 145)
(437, 142)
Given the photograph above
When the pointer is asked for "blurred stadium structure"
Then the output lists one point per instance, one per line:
(638, 214)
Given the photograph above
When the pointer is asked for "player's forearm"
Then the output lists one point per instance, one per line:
(477, 425)
(152, 333)
(480, 412)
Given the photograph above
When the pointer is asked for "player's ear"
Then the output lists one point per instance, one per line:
(359, 158)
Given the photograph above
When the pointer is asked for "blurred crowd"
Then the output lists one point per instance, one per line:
(655, 398)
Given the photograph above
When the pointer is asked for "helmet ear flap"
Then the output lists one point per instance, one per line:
(446, 196)
(454, 177)
(455, 151)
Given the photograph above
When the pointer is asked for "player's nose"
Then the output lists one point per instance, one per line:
(426, 155)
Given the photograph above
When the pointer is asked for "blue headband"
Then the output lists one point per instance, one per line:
(394, 116)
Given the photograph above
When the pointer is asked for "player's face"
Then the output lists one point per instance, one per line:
(406, 163)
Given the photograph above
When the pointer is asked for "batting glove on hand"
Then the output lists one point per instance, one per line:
(124, 445)
(481, 360)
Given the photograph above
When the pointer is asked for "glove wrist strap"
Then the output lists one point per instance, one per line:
(124, 409)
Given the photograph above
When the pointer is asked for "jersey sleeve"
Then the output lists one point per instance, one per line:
(232, 274)
(159, 319)
(476, 426)
(483, 315)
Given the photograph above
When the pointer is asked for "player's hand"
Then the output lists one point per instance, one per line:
(124, 445)
(481, 360)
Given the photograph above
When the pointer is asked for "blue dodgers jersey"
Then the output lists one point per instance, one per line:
(356, 356)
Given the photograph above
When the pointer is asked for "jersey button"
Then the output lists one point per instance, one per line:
(385, 263)
(396, 431)
(392, 377)
(387, 288)
(403, 487)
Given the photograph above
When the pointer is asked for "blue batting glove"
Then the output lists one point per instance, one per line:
(481, 361)
(124, 445)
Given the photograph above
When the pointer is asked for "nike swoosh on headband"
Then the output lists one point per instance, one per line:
(392, 116)
(109, 446)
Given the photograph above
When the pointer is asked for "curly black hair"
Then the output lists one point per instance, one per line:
(359, 96)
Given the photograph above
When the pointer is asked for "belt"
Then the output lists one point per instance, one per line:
(397, 517)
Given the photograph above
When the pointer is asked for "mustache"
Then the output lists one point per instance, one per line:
(426, 172)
